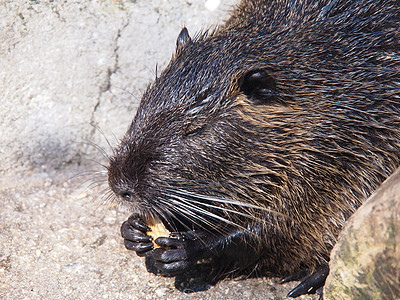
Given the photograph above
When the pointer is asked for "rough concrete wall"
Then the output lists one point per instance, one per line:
(70, 70)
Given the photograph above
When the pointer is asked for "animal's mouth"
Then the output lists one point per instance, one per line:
(162, 226)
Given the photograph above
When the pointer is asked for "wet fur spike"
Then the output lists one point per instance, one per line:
(262, 137)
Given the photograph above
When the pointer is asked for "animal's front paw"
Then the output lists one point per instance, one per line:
(177, 253)
(135, 238)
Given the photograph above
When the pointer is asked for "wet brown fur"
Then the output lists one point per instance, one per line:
(306, 159)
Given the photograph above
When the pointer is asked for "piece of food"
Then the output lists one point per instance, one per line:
(157, 229)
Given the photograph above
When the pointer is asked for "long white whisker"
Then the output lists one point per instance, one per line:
(102, 151)
(183, 202)
(212, 206)
(193, 217)
(189, 215)
(215, 199)
(228, 201)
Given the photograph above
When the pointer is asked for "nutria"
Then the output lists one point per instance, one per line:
(262, 137)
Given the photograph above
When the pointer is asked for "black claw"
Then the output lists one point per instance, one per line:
(131, 234)
(138, 224)
(140, 248)
(135, 238)
(320, 292)
(166, 242)
(172, 269)
(151, 268)
(311, 284)
(294, 277)
(169, 256)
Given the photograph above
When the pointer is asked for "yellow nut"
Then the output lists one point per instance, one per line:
(157, 229)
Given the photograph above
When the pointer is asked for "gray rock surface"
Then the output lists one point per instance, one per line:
(365, 263)
(71, 76)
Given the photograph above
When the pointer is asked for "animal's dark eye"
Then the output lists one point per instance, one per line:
(126, 195)
(259, 86)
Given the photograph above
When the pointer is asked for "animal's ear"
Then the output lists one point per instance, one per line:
(183, 39)
(258, 85)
